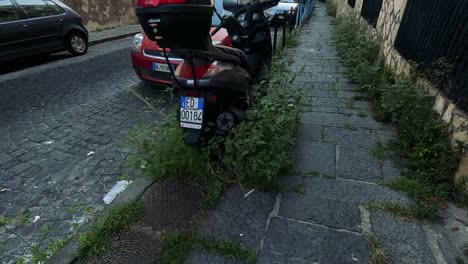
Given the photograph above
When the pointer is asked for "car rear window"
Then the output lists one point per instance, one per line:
(35, 8)
(7, 11)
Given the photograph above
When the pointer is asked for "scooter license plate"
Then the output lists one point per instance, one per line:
(191, 112)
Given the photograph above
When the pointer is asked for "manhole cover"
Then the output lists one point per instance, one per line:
(131, 248)
(170, 204)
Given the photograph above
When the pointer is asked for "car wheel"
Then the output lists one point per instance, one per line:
(76, 44)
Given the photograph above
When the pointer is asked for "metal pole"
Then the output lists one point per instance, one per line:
(275, 36)
(284, 29)
(291, 22)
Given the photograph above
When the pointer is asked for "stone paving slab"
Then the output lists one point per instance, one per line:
(268, 257)
(359, 164)
(312, 243)
(200, 256)
(315, 157)
(330, 213)
(346, 191)
(243, 221)
(362, 138)
(402, 241)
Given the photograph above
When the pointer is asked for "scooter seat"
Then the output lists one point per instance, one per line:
(233, 55)
(221, 53)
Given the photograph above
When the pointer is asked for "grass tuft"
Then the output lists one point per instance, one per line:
(421, 211)
(176, 248)
(99, 237)
(377, 255)
(332, 6)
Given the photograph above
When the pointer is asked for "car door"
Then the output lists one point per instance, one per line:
(12, 31)
(44, 25)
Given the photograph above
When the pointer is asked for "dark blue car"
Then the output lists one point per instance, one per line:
(30, 27)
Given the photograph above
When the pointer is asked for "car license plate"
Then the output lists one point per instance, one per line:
(191, 112)
(161, 67)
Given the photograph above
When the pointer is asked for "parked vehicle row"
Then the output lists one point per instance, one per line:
(30, 27)
(148, 58)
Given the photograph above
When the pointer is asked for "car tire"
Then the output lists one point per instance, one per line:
(76, 43)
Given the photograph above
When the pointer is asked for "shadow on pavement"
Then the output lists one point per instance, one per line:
(31, 61)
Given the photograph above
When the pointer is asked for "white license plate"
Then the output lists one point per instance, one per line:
(191, 112)
(161, 67)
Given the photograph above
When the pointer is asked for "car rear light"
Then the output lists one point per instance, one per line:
(185, 71)
(149, 3)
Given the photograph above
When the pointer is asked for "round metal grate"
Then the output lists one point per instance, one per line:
(170, 204)
(133, 247)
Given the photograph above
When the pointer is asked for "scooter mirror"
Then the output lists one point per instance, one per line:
(230, 5)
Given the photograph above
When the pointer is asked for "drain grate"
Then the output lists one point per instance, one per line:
(170, 204)
(132, 248)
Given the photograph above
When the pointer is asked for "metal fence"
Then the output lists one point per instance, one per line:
(303, 13)
(370, 11)
(435, 29)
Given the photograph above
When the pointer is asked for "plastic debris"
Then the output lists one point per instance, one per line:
(48, 142)
(249, 193)
(36, 218)
(118, 188)
(90, 153)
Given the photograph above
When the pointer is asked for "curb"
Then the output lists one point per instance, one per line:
(104, 40)
(133, 192)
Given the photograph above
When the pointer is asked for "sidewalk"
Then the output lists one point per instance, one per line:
(97, 37)
(321, 215)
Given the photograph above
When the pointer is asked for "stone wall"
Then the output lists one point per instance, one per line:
(102, 14)
(386, 32)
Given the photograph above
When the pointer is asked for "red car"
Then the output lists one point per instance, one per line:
(149, 61)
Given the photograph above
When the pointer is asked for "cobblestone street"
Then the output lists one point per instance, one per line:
(52, 116)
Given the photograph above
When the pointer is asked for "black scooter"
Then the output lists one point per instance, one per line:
(214, 82)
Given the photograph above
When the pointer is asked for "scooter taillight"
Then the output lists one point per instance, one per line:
(152, 3)
(185, 71)
(193, 93)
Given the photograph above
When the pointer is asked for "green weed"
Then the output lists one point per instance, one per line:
(98, 238)
(299, 188)
(349, 126)
(318, 174)
(377, 255)
(423, 141)
(332, 6)
(350, 103)
(425, 210)
(381, 151)
(176, 247)
(362, 114)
